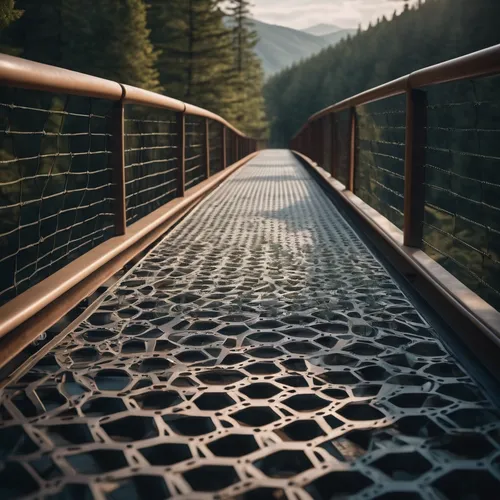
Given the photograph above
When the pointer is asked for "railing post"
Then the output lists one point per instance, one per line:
(207, 147)
(118, 166)
(181, 145)
(317, 135)
(333, 140)
(306, 141)
(314, 141)
(223, 154)
(416, 139)
(352, 149)
(321, 142)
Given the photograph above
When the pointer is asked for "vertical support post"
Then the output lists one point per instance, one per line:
(416, 139)
(207, 147)
(118, 167)
(327, 138)
(181, 145)
(314, 143)
(319, 141)
(334, 149)
(320, 135)
(223, 153)
(236, 147)
(352, 149)
(326, 142)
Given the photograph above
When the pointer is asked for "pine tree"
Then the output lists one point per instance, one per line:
(108, 38)
(38, 33)
(8, 13)
(128, 56)
(247, 75)
(196, 51)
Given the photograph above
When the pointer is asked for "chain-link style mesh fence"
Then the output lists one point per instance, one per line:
(56, 199)
(215, 131)
(461, 228)
(341, 148)
(152, 160)
(380, 157)
(230, 149)
(196, 166)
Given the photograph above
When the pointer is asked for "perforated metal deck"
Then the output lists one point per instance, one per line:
(260, 351)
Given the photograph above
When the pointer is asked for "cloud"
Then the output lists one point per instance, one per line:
(305, 13)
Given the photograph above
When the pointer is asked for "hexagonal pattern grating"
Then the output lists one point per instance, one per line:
(259, 351)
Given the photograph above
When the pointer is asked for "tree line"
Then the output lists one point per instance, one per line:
(428, 33)
(198, 51)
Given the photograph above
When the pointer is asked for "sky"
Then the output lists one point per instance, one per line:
(300, 14)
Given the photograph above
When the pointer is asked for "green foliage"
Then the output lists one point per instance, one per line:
(196, 51)
(180, 47)
(8, 13)
(108, 38)
(433, 32)
(248, 107)
(206, 63)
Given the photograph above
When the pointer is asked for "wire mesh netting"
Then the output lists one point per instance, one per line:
(341, 148)
(462, 187)
(55, 183)
(230, 149)
(215, 131)
(195, 151)
(380, 155)
(151, 160)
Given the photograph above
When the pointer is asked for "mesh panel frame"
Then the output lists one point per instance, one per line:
(195, 151)
(461, 227)
(56, 185)
(341, 151)
(379, 175)
(152, 160)
(215, 131)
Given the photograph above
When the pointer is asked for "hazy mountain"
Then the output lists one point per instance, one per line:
(280, 47)
(322, 29)
(334, 38)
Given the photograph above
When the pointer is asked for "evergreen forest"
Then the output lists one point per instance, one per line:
(428, 33)
(198, 51)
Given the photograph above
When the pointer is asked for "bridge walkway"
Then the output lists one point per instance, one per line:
(259, 351)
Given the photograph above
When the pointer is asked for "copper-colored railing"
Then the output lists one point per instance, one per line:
(318, 145)
(309, 140)
(40, 306)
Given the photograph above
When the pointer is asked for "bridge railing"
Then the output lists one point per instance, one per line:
(424, 152)
(91, 171)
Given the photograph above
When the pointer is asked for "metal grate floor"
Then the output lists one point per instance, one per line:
(260, 351)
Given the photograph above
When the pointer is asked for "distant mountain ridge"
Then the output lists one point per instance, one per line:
(280, 47)
(322, 29)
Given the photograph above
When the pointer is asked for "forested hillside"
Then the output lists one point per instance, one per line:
(279, 47)
(179, 47)
(430, 33)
